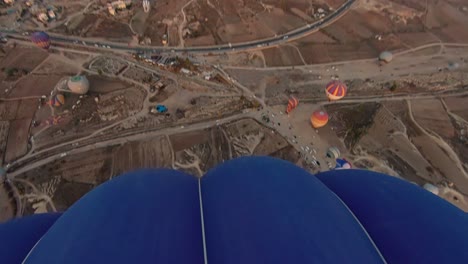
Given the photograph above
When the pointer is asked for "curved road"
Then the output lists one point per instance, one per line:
(297, 33)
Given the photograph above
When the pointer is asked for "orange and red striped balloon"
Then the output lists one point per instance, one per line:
(57, 100)
(336, 90)
(319, 119)
(292, 104)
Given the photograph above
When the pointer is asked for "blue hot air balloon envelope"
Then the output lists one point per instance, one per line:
(248, 210)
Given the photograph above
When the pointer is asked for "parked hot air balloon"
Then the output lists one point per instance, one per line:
(319, 119)
(292, 104)
(386, 56)
(41, 39)
(336, 90)
(333, 152)
(57, 100)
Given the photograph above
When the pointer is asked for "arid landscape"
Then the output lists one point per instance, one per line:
(190, 84)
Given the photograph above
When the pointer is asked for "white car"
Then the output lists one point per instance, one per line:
(64, 154)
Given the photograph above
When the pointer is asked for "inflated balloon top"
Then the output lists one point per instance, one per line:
(41, 39)
(319, 119)
(336, 90)
(292, 104)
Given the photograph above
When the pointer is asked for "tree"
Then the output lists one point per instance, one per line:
(10, 71)
(394, 86)
(99, 71)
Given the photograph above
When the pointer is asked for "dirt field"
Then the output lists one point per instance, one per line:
(200, 152)
(53, 65)
(396, 145)
(140, 75)
(351, 121)
(68, 179)
(23, 58)
(439, 154)
(58, 184)
(458, 106)
(151, 153)
(282, 56)
(98, 26)
(183, 141)
(367, 29)
(88, 116)
(18, 137)
(111, 30)
(27, 108)
(8, 110)
(386, 138)
(101, 84)
(431, 115)
(218, 22)
(35, 85)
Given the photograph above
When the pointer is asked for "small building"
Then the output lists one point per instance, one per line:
(111, 9)
(42, 17)
(146, 6)
(185, 71)
(119, 5)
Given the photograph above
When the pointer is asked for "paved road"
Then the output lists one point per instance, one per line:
(297, 33)
(33, 162)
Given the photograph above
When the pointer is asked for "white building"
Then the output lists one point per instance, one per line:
(146, 6)
(185, 71)
(43, 17)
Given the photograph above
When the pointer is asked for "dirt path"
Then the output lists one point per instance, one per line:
(442, 144)
(183, 24)
(454, 116)
(298, 52)
(195, 164)
(37, 195)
